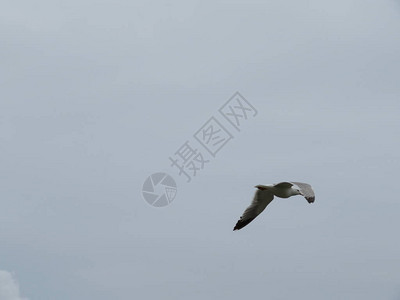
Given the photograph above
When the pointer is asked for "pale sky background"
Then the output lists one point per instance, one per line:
(96, 95)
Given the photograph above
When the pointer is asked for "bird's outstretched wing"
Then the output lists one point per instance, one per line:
(306, 190)
(260, 201)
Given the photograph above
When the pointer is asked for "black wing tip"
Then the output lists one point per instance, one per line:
(241, 223)
(310, 199)
(237, 227)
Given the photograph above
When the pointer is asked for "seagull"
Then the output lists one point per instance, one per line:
(265, 194)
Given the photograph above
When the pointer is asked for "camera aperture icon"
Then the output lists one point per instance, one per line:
(159, 189)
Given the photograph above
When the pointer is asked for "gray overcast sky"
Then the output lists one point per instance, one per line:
(96, 95)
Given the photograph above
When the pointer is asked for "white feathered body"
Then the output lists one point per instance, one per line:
(281, 191)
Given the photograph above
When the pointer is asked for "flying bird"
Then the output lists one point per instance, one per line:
(265, 194)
